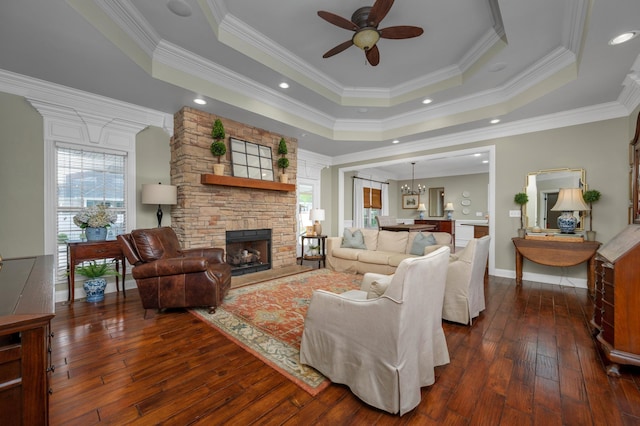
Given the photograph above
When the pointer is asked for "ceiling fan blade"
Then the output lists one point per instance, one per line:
(373, 55)
(379, 11)
(337, 20)
(339, 48)
(401, 31)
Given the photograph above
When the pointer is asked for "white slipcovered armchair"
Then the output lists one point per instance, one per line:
(464, 293)
(384, 348)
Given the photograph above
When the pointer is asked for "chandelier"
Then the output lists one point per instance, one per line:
(406, 189)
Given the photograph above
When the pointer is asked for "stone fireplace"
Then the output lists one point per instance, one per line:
(205, 212)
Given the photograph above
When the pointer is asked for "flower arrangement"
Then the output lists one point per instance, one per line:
(95, 217)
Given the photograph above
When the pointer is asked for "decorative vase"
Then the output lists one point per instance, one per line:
(218, 169)
(284, 178)
(95, 289)
(95, 234)
(567, 222)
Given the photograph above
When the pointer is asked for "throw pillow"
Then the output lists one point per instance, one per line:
(420, 242)
(377, 288)
(353, 239)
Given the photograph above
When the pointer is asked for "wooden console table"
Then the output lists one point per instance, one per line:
(557, 253)
(79, 252)
(26, 309)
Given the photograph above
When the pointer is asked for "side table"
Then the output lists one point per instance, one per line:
(79, 252)
(321, 257)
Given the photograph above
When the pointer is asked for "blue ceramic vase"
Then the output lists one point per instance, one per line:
(95, 234)
(95, 289)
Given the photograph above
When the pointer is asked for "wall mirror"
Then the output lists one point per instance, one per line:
(542, 187)
(436, 202)
(250, 160)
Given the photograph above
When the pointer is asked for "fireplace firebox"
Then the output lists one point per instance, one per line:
(248, 250)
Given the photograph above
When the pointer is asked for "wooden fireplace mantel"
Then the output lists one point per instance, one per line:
(210, 179)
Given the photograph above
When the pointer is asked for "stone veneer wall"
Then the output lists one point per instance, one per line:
(205, 212)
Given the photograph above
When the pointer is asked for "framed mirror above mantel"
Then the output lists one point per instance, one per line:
(543, 187)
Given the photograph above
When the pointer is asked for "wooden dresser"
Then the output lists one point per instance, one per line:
(26, 308)
(616, 313)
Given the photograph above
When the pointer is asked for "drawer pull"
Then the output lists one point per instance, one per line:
(52, 368)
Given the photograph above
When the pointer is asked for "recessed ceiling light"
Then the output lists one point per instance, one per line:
(485, 161)
(363, 110)
(477, 154)
(427, 101)
(495, 121)
(284, 85)
(200, 101)
(179, 7)
(395, 141)
(498, 66)
(623, 37)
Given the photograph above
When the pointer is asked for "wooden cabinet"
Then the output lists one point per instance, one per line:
(26, 309)
(616, 316)
(441, 226)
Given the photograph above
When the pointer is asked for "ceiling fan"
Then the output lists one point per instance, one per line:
(364, 22)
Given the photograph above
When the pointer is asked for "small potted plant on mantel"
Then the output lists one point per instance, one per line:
(591, 196)
(521, 198)
(283, 162)
(218, 147)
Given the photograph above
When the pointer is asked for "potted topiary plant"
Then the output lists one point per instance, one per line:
(521, 198)
(218, 147)
(591, 196)
(95, 284)
(283, 162)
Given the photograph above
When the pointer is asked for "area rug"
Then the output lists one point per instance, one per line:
(267, 320)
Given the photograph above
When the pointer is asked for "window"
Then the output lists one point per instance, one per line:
(372, 203)
(86, 178)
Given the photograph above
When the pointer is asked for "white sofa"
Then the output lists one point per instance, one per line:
(384, 251)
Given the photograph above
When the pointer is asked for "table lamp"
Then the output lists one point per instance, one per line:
(569, 200)
(159, 194)
(421, 209)
(317, 215)
(449, 209)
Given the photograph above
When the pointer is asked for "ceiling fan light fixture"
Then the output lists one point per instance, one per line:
(366, 38)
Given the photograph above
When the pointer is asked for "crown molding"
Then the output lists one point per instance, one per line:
(46, 93)
(575, 117)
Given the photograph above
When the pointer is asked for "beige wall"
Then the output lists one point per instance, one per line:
(153, 157)
(21, 178)
(475, 184)
(600, 148)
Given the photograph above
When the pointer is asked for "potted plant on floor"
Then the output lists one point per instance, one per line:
(591, 196)
(218, 147)
(521, 198)
(283, 162)
(96, 283)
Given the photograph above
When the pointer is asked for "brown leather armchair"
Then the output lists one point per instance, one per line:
(169, 277)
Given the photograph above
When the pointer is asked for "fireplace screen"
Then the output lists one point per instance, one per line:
(248, 250)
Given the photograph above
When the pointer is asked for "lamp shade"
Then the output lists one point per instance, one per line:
(448, 207)
(317, 214)
(570, 199)
(156, 193)
(421, 207)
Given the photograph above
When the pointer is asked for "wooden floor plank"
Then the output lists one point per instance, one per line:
(530, 358)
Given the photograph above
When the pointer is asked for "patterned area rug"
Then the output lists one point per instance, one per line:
(267, 320)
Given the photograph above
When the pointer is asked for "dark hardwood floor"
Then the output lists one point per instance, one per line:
(529, 359)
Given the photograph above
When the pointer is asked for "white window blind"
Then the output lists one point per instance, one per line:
(86, 178)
